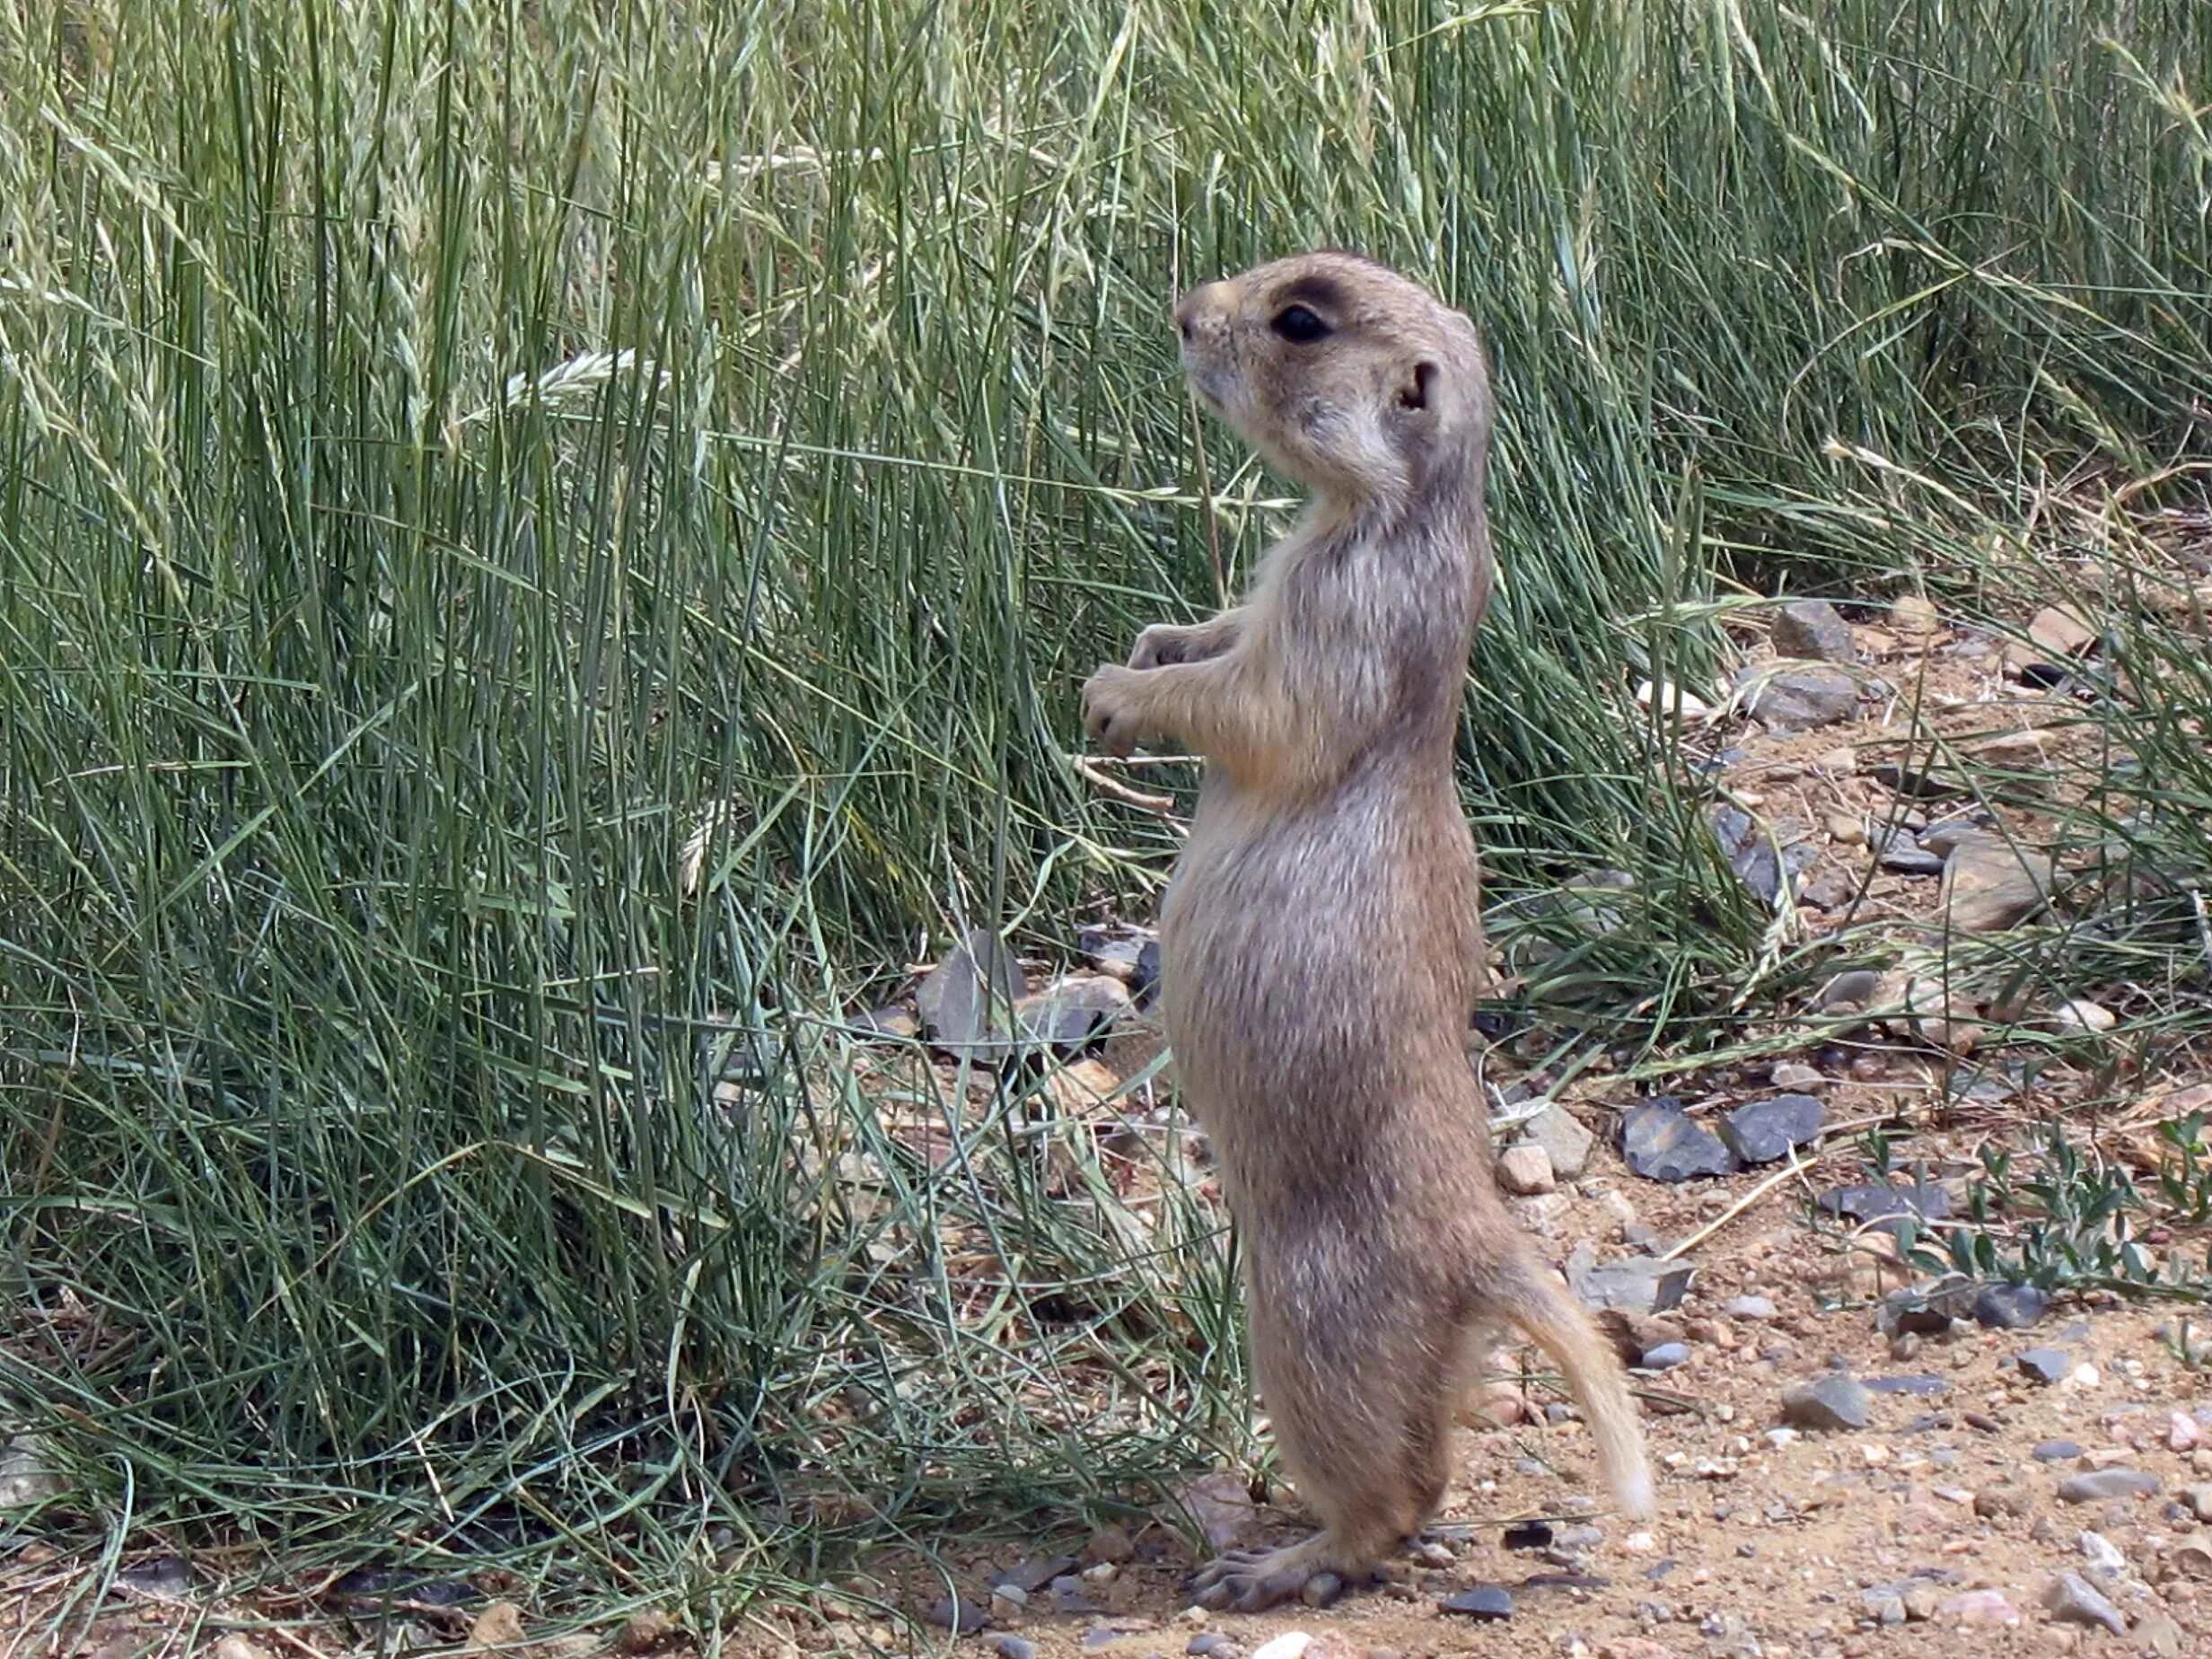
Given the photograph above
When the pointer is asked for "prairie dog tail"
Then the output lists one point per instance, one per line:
(1556, 1323)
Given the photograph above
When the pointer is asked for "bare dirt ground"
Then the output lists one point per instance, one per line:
(1982, 1506)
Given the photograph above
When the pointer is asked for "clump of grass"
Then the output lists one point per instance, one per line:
(535, 541)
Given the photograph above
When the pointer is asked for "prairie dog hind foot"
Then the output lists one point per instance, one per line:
(1250, 1581)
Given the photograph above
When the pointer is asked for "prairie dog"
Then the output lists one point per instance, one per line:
(1320, 942)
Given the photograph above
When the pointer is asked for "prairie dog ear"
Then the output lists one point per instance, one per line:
(1416, 389)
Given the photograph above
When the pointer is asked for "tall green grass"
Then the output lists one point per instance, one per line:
(455, 459)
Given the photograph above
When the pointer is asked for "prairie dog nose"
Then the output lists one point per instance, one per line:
(1193, 306)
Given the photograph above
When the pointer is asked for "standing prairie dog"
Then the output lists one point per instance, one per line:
(1320, 946)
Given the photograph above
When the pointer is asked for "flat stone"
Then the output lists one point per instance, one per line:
(1033, 1575)
(1799, 699)
(1757, 1309)
(1874, 1201)
(2061, 631)
(958, 1614)
(2080, 1017)
(1921, 1385)
(1901, 854)
(2043, 1364)
(1883, 1604)
(1990, 886)
(1488, 1604)
(1013, 1647)
(1835, 1401)
(2010, 1307)
(2055, 1452)
(1637, 1285)
(2157, 1635)
(1812, 630)
(1855, 987)
(1145, 981)
(2071, 1599)
(1667, 1356)
(1073, 1015)
(1766, 1130)
(1564, 1139)
(1750, 847)
(964, 999)
(2102, 1555)
(1660, 1143)
(1978, 1607)
(1525, 1170)
(2098, 1486)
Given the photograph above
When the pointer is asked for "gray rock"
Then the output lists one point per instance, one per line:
(165, 1577)
(1812, 630)
(1757, 1309)
(1013, 1647)
(2055, 1452)
(1885, 1604)
(1750, 848)
(2102, 1555)
(1855, 987)
(27, 1474)
(1799, 699)
(1877, 1202)
(1659, 1143)
(1209, 1642)
(958, 1614)
(1667, 1356)
(1638, 1285)
(1070, 1597)
(1145, 983)
(1765, 1131)
(966, 999)
(2010, 1307)
(1990, 886)
(1835, 1401)
(1925, 1311)
(1485, 1603)
(1944, 837)
(1899, 852)
(1033, 1575)
(1321, 1590)
(2099, 1485)
(2043, 1364)
(2071, 1600)
(1564, 1140)
(1072, 1015)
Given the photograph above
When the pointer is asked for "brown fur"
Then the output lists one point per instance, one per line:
(1321, 945)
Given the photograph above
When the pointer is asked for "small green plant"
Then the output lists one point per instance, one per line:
(2073, 1221)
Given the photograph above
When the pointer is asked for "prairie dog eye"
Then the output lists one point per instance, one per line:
(1299, 326)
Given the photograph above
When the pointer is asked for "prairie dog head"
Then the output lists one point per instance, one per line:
(1343, 374)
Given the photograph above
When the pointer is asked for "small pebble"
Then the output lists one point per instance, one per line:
(2042, 1365)
(1667, 1356)
(1013, 1647)
(2055, 1451)
(1321, 1590)
(1754, 1308)
(1288, 1645)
